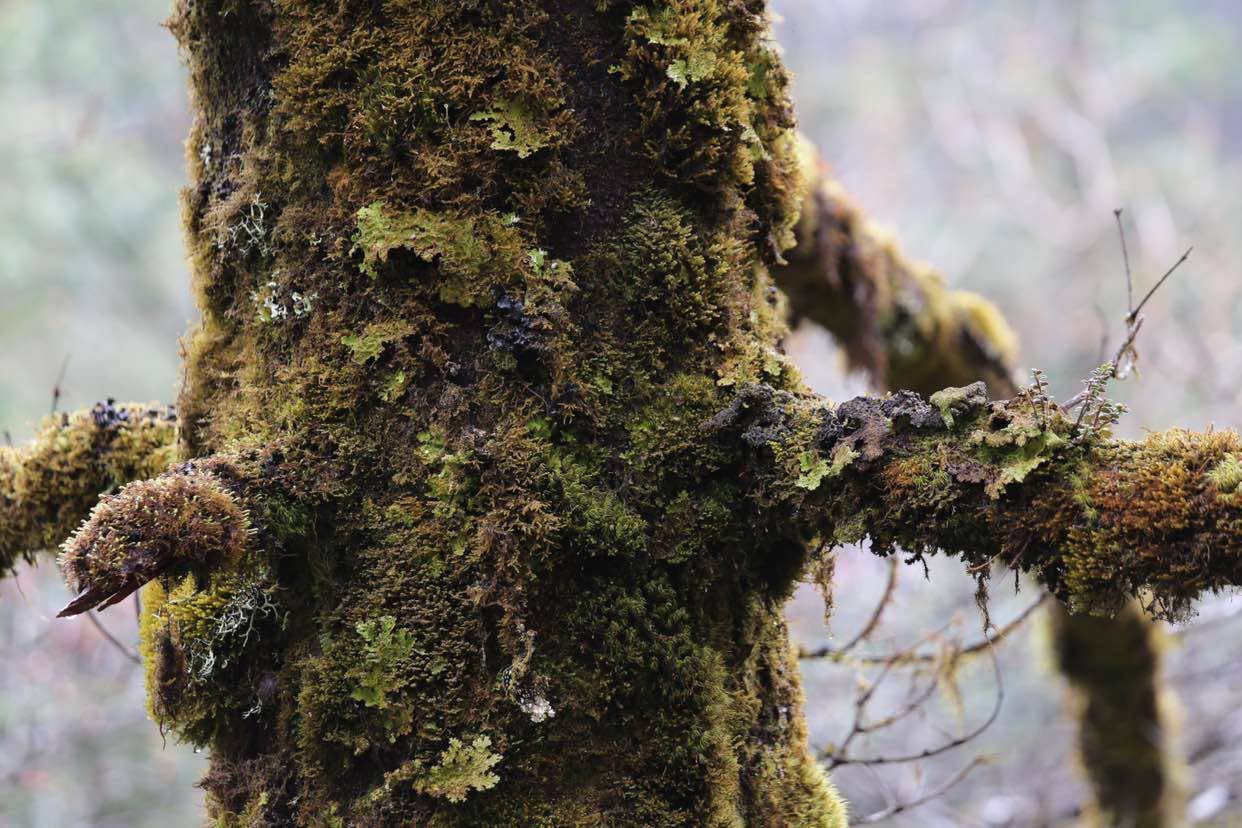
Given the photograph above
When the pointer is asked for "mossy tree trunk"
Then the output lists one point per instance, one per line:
(494, 480)
(474, 275)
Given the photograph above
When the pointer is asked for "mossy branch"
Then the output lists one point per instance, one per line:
(1097, 520)
(896, 320)
(49, 486)
(185, 518)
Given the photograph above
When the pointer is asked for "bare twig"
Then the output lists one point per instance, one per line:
(112, 639)
(1125, 255)
(998, 635)
(902, 807)
(872, 622)
(1127, 357)
(58, 386)
(837, 757)
(1134, 313)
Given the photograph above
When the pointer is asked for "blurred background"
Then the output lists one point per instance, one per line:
(992, 137)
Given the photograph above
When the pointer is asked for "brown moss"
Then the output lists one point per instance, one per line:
(896, 320)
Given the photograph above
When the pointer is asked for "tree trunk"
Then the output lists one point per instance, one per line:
(474, 274)
(494, 478)
(1127, 737)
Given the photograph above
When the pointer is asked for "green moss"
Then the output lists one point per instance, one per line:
(503, 495)
(1227, 474)
(48, 487)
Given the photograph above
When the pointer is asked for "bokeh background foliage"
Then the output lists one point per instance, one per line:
(993, 137)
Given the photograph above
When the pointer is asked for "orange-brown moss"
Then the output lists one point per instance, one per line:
(1098, 521)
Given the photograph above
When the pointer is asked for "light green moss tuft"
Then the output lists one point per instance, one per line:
(1227, 474)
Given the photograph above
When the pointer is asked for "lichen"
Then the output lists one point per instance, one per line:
(513, 127)
(462, 768)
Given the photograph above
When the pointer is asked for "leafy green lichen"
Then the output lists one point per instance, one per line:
(384, 652)
(513, 127)
(462, 768)
(368, 345)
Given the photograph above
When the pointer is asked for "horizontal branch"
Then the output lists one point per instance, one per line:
(48, 486)
(895, 320)
(1095, 519)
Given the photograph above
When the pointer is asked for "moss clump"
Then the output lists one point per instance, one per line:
(48, 487)
(179, 521)
(1227, 474)
(202, 642)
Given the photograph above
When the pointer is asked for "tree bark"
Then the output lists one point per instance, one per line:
(495, 480)
(473, 277)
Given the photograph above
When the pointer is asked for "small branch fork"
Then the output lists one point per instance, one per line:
(1126, 358)
(928, 669)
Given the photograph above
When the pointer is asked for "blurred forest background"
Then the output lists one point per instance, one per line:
(992, 137)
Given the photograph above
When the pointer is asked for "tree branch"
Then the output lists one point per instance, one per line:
(1097, 520)
(895, 320)
(185, 518)
(48, 486)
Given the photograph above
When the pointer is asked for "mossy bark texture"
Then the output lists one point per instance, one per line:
(48, 487)
(494, 480)
(896, 320)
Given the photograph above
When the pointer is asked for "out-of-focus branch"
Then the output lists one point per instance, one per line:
(1126, 730)
(49, 486)
(895, 320)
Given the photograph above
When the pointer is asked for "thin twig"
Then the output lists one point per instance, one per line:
(1134, 313)
(999, 634)
(836, 758)
(60, 381)
(1126, 356)
(902, 807)
(112, 639)
(1125, 255)
(872, 622)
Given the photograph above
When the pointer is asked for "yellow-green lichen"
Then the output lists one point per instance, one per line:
(514, 128)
